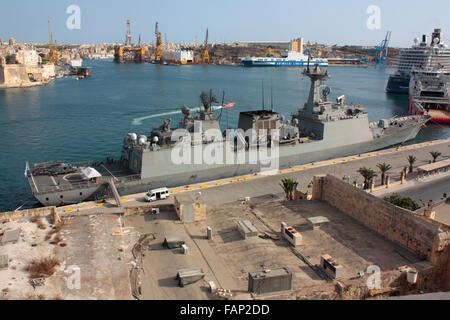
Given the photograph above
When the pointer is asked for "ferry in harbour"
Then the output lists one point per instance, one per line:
(295, 57)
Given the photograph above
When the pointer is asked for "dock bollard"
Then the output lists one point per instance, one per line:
(209, 233)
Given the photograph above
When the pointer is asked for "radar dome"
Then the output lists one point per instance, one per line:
(155, 139)
(133, 136)
(142, 139)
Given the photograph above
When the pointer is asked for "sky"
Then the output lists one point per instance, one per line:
(329, 22)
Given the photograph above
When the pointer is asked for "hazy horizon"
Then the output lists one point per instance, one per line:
(327, 22)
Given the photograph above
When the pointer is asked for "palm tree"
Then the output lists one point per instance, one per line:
(289, 185)
(384, 167)
(368, 175)
(411, 160)
(435, 155)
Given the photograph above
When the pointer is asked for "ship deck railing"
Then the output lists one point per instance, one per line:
(433, 99)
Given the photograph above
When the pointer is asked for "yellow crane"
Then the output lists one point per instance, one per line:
(205, 53)
(166, 46)
(54, 54)
(158, 54)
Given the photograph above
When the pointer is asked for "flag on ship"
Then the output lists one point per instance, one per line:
(229, 105)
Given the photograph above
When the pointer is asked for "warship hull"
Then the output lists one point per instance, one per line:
(198, 151)
(168, 174)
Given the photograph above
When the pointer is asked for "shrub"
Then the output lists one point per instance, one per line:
(403, 202)
(42, 268)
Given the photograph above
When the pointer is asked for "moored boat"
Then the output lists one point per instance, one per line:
(429, 94)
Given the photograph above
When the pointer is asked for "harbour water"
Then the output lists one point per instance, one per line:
(85, 120)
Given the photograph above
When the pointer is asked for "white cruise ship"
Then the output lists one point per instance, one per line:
(434, 54)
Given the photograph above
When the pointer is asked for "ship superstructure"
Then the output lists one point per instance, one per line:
(197, 150)
(421, 55)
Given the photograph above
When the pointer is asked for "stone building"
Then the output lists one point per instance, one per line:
(28, 57)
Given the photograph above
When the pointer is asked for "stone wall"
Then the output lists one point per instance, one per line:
(13, 74)
(426, 237)
(146, 209)
(37, 212)
(42, 72)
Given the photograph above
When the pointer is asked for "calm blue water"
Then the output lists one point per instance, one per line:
(86, 120)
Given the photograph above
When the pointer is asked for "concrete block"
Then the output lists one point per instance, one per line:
(283, 227)
(212, 286)
(293, 236)
(209, 233)
(4, 262)
(318, 222)
(246, 229)
(331, 267)
(10, 236)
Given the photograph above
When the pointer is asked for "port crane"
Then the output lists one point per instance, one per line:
(158, 54)
(205, 53)
(54, 54)
(128, 35)
(381, 51)
(166, 46)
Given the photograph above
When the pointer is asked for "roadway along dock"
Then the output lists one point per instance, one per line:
(267, 185)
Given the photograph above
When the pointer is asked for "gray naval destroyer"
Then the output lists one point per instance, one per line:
(320, 130)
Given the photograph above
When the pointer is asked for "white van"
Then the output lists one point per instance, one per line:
(157, 194)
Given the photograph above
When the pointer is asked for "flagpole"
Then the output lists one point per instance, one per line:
(227, 117)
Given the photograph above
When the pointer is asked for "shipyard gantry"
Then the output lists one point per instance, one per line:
(128, 52)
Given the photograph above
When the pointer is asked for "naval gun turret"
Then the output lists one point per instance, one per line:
(198, 124)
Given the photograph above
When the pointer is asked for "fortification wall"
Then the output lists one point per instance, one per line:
(13, 74)
(37, 212)
(428, 238)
